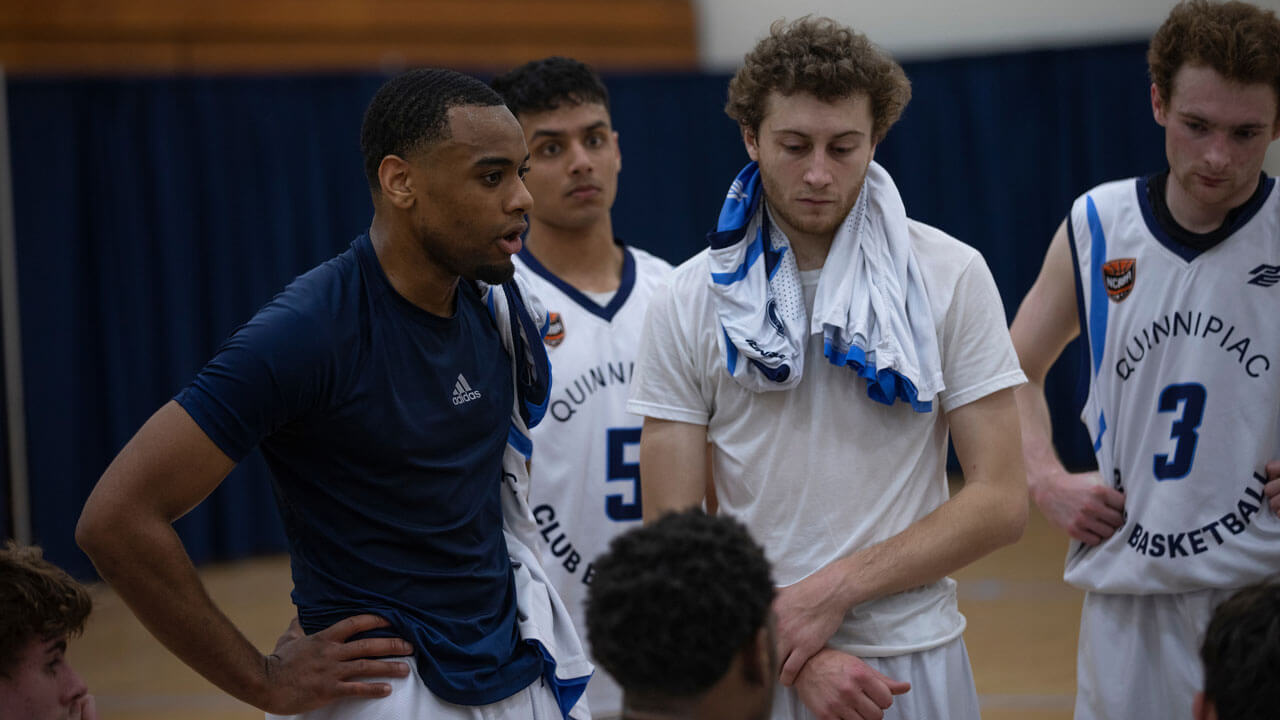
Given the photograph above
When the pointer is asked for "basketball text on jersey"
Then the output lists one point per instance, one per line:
(1190, 326)
(1195, 541)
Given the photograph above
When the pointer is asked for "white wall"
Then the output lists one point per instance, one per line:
(914, 29)
(921, 29)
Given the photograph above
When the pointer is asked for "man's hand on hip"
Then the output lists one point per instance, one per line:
(309, 671)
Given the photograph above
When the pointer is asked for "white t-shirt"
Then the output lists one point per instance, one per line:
(821, 470)
(585, 473)
(1184, 394)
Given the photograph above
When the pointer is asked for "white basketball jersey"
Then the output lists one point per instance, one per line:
(585, 479)
(1184, 398)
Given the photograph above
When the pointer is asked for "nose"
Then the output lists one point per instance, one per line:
(72, 687)
(579, 159)
(817, 172)
(520, 202)
(1218, 152)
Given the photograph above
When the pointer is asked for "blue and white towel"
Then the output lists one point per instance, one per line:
(872, 306)
(543, 618)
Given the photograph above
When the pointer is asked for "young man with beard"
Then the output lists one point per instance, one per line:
(1171, 280)
(585, 476)
(381, 394)
(826, 345)
(41, 607)
(679, 614)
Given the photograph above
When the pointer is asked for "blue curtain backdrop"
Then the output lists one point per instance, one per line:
(155, 215)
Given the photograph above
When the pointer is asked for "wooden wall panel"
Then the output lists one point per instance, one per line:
(108, 36)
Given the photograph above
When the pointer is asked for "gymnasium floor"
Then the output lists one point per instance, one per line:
(1021, 638)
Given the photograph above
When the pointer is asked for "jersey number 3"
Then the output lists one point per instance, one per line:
(1190, 397)
(616, 506)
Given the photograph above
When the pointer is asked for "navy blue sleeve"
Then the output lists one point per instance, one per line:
(274, 369)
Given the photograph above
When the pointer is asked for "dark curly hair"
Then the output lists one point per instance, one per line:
(672, 603)
(38, 600)
(546, 84)
(1241, 652)
(411, 111)
(1237, 40)
(825, 59)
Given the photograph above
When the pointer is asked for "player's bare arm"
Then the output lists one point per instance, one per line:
(1272, 488)
(674, 459)
(989, 512)
(126, 528)
(1079, 503)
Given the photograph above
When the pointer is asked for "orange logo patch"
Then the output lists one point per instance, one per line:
(1118, 276)
(555, 330)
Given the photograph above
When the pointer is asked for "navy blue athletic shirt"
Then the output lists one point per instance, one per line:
(384, 427)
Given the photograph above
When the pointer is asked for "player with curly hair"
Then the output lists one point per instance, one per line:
(679, 612)
(827, 345)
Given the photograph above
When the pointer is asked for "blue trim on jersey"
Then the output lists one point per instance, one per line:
(1098, 287)
(883, 386)
(1185, 252)
(730, 351)
(1082, 318)
(607, 312)
(754, 251)
(566, 691)
(522, 443)
(1102, 430)
(533, 385)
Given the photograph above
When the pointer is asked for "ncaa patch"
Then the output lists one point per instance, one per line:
(555, 330)
(1117, 276)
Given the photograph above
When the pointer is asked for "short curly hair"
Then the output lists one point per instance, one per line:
(1241, 651)
(825, 59)
(411, 112)
(38, 600)
(1237, 40)
(546, 84)
(672, 603)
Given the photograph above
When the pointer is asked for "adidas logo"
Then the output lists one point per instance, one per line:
(462, 392)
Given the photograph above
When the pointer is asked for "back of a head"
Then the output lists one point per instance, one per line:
(672, 603)
(823, 58)
(545, 85)
(38, 600)
(1239, 41)
(410, 112)
(1241, 654)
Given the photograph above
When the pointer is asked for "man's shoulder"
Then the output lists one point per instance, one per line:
(315, 306)
(691, 273)
(647, 263)
(938, 252)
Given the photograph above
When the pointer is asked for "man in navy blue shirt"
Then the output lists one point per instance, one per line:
(380, 393)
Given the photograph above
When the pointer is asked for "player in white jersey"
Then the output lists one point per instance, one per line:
(1172, 282)
(585, 472)
(842, 483)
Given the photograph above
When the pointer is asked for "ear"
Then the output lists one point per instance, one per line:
(750, 140)
(1158, 107)
(395, 177)
(617, 147)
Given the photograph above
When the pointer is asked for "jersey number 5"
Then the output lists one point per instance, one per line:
(616, 506)
(1191, 397)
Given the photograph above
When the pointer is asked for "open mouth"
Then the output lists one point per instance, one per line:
(511, 242)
